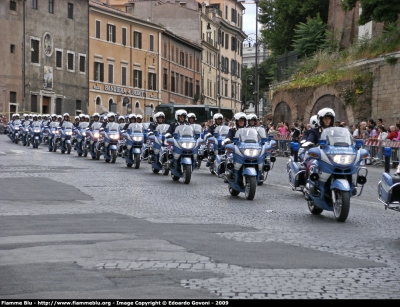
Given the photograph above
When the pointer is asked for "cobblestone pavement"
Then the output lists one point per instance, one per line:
(278, 215)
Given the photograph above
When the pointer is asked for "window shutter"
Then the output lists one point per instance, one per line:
(123, 75)
(124, 36)
(108, 32)
(114, 34)
(140, 79)
(140, 40)
(101, 72)
(97, 29)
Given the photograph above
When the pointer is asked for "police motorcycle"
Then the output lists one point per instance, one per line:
(183, 153)
(109, 142)
(65, 137)
(246, 159)
(389, 186)
(93, 136)
(24, 132)
(133, 147)
(53, 136)
(15, 131)
(334, 172)
(198, 130)
(35, 134)
(80, 135)
(158, 153)
(216, 152)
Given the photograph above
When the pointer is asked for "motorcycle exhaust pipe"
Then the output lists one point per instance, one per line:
(361, 179)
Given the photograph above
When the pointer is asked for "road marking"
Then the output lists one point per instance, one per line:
(2, 153)
(17, 151)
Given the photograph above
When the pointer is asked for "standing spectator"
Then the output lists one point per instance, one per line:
(392, 133)
(373, 134)
(295, 132)
(282, 129)
(361, 132)
(380, 122)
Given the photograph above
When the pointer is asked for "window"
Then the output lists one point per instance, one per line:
(82, 63)
(151, 42)
(233, 44)
(226, 41)
(165, 50)
(226, 12)
(34, 50)
(222, 38)
(34, 104)
(78, 105)
(172, 82)
(182, 61)
(123, 71)
(177, 57)
(233, 15)
(226, 90)
(51, 6)
(98, 101)
(124, 36)
(186, 86)
(186, 59)
(12, 48)
(227, 65)
(172, 53)
(111, 33)
(137, 40)
(58, 106)
(152, 81)
(190, 62)
(177, 83)
(71, 60)
(13, 97)
(70, 11)
(137, 78)
(58, 59)
(13, 5)
(165, 83)
(98, 27)
(110, 73)
(35, 4)
(197, 87)
(191, 87)
(233, 91)
(197, 64)
(98, 71)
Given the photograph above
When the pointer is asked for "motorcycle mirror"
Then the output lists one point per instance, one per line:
(322, 143)
(202, 135)
(175, 135)
(155, 132)
(236, 140)
(359, 143)
(197, 135)
(216, 134)
(264, 140)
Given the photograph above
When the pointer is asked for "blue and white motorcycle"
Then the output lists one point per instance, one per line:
(109, 145)
(216, 150)
(158, 150)
(246, 160)
(35, 134)
(389, 186)
(133, 147)
(14, 131)
(65, 137)
(334, 172)
(93, 135)
(80, 135)
(53, 136)
(25, 132)
(182, 155)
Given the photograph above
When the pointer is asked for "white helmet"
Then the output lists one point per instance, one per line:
(121, 117)
(139, 116)
(110, 114)
(133, 115)
(53, 115)
(313, 121)
(159, 114)
(326, 112)
(217, 116)
(25, 115)
(66, 114)
(77, 118)
(59, 117)
(179, 113)
(87, 116)
(192, 115)
(251, 116)
(238, 116)
(16, 114)
(96, 114)
(81, 115)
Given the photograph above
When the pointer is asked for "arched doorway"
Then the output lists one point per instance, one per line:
(282, 113)
(331, 101)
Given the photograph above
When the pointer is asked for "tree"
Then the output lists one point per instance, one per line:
(280, 17)
(309, 37)
(386, 11)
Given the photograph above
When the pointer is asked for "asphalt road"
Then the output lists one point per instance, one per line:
(75, 228)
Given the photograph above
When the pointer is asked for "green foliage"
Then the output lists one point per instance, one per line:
(309, 37)
(375, 10)
(280, 17)
(391, 60)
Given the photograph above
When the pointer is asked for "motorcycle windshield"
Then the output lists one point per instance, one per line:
(17, 122)
(162, 129)
(197, 129)
(185, 131)
(68, 126)
(84, 125)
(146, 125)
(136, 128)
(337, 136)
(261, 132)
(222, 130)
(96, 126)
(248, 135)
(36, 126)
(113, 127)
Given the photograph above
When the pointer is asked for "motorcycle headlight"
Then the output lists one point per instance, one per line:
(36, 130)
(250, 152)
(137, 138)
(68, 132)
(114, 136)
(96, 135)
(342, 159)
(84, 133)
(188, 145)
(26, 129)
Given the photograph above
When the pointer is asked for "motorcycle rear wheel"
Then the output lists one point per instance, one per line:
(187, 173)
(233, 192)
(341, 208)
(250, 188)
(137, 160)
(313, 208)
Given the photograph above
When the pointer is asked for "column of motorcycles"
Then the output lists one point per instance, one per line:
(334, 173)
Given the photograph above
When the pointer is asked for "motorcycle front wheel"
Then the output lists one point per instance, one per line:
(341, 208)
(36, 144)
(69, 148)
(187, 173)
(113, 155)
(137, 160)
(250, 188)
